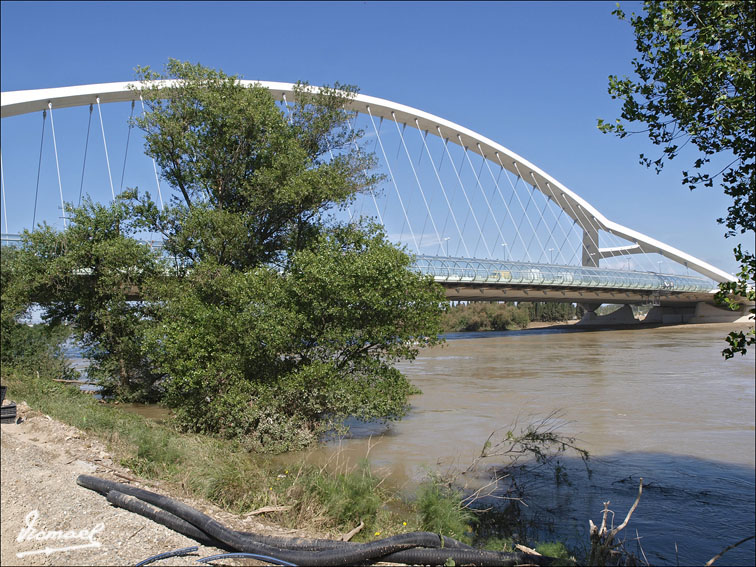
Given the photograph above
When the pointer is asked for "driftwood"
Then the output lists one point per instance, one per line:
(349, 535)
(726, 549)
(603, 546)
(267, 510)
(71, 381)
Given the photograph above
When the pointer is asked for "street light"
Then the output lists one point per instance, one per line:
(446, 239)
(504, 244)
(551, 255)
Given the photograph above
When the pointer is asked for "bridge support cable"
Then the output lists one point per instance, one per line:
(516, 195)
(393, 181)
(564, 232)
(86, 148)
(551, 197)
(501, 194)
(2, 189)
(443, 189)
(482, 192)
(525, 210)
(288, 109)
(464, 192)
(417, 180)
(105, 144)
(372, 191)
(39, 168)
(126, 153)
(154, 165)
(57, 165)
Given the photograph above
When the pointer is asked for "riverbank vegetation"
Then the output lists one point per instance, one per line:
(505, 316)
(332, 499)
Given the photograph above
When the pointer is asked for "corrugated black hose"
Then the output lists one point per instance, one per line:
(403, 548)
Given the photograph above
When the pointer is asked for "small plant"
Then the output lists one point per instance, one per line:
(442, 510)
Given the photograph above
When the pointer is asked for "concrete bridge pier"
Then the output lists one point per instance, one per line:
(622, 316)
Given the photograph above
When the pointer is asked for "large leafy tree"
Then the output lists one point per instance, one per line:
(284, 319)
(694, 84)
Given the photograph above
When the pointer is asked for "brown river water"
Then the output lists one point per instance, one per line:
(658, 403)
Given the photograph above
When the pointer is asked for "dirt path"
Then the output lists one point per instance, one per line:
(41, 459)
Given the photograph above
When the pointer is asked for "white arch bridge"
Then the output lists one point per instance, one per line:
(485, 222)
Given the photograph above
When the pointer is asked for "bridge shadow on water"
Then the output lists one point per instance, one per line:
(690, 509)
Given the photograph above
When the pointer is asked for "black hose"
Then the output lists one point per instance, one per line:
(167, 554)
(273, 560)
(137, 506)
(400, 548)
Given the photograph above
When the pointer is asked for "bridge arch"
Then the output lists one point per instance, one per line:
(587, 217)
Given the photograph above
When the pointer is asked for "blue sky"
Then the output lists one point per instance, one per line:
(530, 75)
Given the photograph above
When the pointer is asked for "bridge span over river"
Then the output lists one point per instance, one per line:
(486, 223)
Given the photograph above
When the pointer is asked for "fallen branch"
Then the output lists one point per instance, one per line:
(349, 535)
(267, 510)
(71, 381)
(726, 549)
(602, 539)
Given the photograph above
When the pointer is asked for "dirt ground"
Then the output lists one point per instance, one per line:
(41, 459)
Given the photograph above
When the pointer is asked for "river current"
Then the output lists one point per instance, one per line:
(661, 404)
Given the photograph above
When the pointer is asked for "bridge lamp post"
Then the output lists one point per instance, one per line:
(504, 245)
(446, 239)
(551, 255)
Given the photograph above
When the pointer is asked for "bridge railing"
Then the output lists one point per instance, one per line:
(548, 275)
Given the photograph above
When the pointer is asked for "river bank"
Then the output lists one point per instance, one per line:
(41, 458)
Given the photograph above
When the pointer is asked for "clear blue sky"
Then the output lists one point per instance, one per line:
(530, 75)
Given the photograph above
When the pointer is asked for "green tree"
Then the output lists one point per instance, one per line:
(91, 276)
(695, 85)
(283, 320)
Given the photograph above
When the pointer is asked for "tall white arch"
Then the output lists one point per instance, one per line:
(583, 213)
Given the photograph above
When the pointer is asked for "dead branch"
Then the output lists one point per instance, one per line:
(602, 539)
(349, 535)
(267, 510)
(726, 549)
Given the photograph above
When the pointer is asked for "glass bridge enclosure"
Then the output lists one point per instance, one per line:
(548, 275)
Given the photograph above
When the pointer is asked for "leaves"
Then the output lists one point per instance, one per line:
(695, 84)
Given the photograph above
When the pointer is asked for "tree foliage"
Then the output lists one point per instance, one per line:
(695, 85)
(86, 277)
(283, 320)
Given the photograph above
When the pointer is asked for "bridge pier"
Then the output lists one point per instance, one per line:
(699, 313)
(622, 316)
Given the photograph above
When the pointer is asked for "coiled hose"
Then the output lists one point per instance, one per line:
(415, 548)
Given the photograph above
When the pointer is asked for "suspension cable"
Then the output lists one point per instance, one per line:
(57, 164)
(552, 197)
(525, 207)
(417, 179)
(564, 232)
(480, 185)
(464, 192)
(86, 148)
(443, 190)
(519, 201)
(126, 153)
(498, 188)
(154, 165)
(2, 186)
(388, 165)
(104, 143)
(359, 151)
(39, 168)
